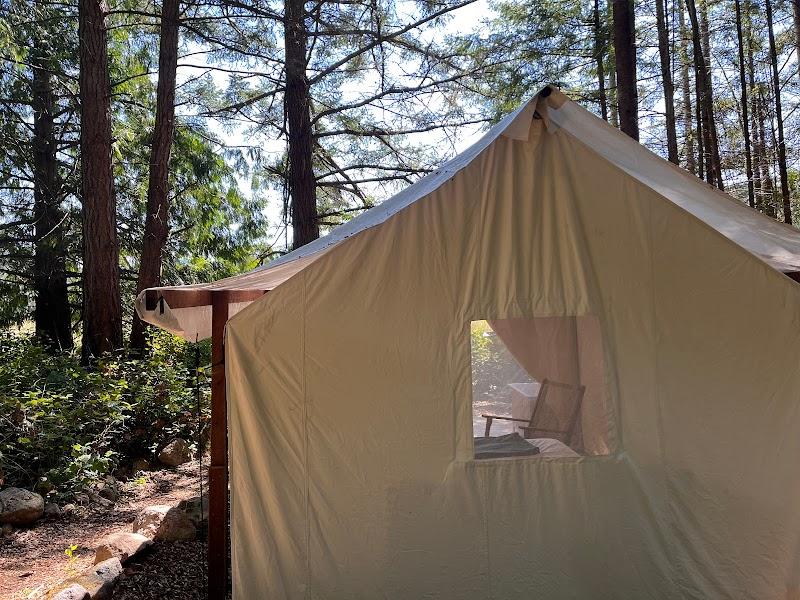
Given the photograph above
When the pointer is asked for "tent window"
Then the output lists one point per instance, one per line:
(539, 387)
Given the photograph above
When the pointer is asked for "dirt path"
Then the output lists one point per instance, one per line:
(33, 560)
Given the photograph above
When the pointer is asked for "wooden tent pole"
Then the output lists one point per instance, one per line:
(218, 471)
(219, 300)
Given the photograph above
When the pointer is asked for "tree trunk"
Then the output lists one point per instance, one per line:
(691, 165)
(666, 77)
(745, 120)
(52, 313)
(768, 190)
(599, 57)
(796, 12)
(776, 86)
(297, 106)
(102, 317)
(625, 59)
(705, 101)
(751, 82)
(156, 227)
(612, 92)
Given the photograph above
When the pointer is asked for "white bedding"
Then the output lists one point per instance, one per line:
(551, 447)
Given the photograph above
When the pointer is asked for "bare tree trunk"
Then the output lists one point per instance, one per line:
(156, 229)
(699, 117)
(52, 313)
(297, 99)
(612, 88)
(757, 151)
(666, 78)
(705, 100)
(796, 12)
(745, 120)
(102, 316)
(705, 45)
(599, 57)
(768, 197)
(691, 165)
(625, 58)
(776, 86)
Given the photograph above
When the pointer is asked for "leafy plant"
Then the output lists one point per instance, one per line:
(64, 426)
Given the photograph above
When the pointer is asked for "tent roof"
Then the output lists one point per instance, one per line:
(773, 242)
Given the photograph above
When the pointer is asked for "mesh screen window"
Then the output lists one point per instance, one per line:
(539, 387)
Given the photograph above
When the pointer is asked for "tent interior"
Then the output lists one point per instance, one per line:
(512, 361)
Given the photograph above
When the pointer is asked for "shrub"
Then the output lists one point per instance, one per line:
(62, 425)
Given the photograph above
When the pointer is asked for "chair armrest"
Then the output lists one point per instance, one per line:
(505, 418)
(490, 418)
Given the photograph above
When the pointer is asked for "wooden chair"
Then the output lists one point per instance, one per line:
(534, 425)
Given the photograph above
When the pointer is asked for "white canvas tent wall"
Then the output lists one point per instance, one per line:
(349, 385)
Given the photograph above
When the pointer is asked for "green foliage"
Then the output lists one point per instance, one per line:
(63, 426)
(493, 366)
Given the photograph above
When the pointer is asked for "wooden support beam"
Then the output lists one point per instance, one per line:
(191, 297)
(218, 471)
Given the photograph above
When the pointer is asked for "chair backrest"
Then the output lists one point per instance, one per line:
(556, 412)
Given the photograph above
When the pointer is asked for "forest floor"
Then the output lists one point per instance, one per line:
(33, 560)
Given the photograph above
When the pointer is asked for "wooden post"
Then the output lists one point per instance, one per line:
(218, 471)
(219, 300)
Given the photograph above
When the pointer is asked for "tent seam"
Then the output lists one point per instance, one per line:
(659, 411)
(308, 593)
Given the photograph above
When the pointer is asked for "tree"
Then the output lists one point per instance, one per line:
(599, 57)
(345, 90)
(745, 120)
(102, 318)
(52, 314)
(625, 57)
(705, 102)
(156, 228)
(666, 78)
(796, 16)
(781, 142)
(297, 106)
(686, 92)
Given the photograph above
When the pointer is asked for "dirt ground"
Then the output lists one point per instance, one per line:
(33, 560)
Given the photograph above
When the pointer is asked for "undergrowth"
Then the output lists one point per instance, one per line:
(63, 425)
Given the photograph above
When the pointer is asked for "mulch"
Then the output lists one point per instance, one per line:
(174, 570)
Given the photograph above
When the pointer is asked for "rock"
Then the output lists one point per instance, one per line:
(162, 522)
(149, 520)
(192, 509)
(52, 510)
(20, 507)
(122, 545)
(100, 501)
(74, 592)
(82, 499)
(140, 464)
(68, 510)
(108, 488)
(175, 453)
(100, 580)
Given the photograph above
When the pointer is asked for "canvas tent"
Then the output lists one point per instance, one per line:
(350, 385)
